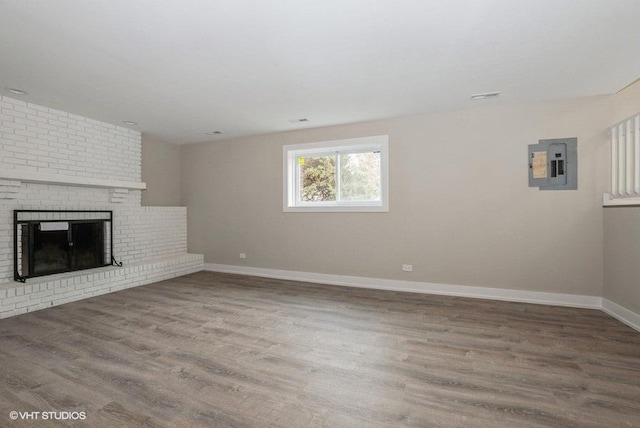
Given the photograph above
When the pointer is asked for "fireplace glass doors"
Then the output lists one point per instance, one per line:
(49, 242)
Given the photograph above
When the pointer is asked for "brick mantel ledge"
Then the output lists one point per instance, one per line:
(68, 180)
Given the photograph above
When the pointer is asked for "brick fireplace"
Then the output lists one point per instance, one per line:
(51, 160)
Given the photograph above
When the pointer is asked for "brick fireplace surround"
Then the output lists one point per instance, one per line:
(53, 160)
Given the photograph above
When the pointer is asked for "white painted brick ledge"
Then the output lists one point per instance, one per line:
(17, 175)
(40, 293)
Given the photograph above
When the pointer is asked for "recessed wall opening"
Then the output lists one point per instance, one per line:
(50, 242)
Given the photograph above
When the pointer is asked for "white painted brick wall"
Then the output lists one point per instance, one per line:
(140, 233)
(56, 290)
(43, 140)
(40, 139)
(146, 233)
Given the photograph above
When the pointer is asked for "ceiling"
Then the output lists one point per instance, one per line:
(185, 67)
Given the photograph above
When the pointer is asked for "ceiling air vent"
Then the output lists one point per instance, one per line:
(485, 96)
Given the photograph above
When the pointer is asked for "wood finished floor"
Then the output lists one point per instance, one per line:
(217, 350)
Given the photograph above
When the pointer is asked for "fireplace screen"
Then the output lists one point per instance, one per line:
(48, 242)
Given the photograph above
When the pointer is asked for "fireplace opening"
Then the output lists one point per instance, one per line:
(50, 242)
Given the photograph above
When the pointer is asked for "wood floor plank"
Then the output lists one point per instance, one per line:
(221, 350)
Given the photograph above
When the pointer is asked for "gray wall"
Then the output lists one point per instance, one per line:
(622, 229)
(460, 208)
(161, 172)
(622, 256)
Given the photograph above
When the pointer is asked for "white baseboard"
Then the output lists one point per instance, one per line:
(556, 299)
(622, 314)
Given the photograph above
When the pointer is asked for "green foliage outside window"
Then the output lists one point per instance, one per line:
(359, 177)
(318, 178)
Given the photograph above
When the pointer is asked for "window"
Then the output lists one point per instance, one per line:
(342, 175)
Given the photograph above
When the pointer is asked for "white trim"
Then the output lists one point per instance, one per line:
(622, 314)
(556, 299)
(609, 201)
(68, 180)
(336, 209)
(614, 163)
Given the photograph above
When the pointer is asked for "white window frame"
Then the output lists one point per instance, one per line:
(291, 153)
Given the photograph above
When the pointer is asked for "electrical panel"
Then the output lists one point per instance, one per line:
(553, 164)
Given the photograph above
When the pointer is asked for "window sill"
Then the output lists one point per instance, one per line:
(337, 209)
(610, 201)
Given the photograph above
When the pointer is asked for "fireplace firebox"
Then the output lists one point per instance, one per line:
(50, 242)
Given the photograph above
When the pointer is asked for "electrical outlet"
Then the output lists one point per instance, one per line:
(407, 268)
(243, 255)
